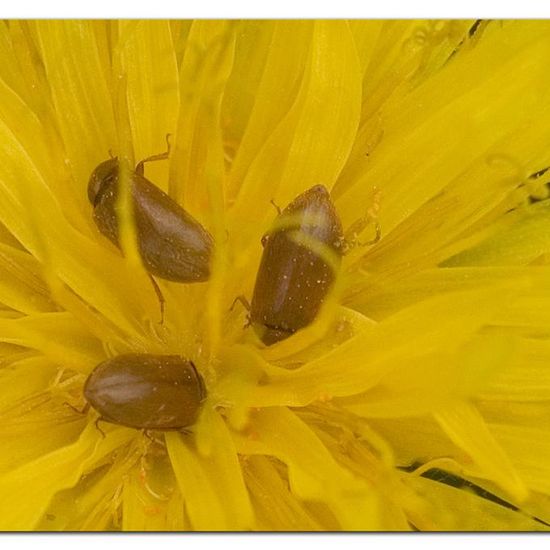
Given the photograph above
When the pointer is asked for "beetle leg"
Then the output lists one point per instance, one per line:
(84, 410)
(148, 435)
(349, 243)
(162, 156)
(98, 420)
(279, 211)
(539, 173)
(377, 236)
(160, 296)
(246, 304)
(350, 239)
(115, 506)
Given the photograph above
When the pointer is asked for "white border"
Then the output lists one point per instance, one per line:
(156, 9)
(351, 541)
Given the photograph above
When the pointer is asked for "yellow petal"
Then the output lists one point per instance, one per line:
(295, 156)
(179, 29)
(149, 64)
(523, 238)
(23, 438)
(312, 471)
(275, 507)
(429, 383)
(466, 427)
(203, 74)
(284, 65)
(419, 124)
(453, 509)
(11, 73)
(254, 40)
(143, 512)
(366, 35)
(415, 331)
(526, 377)
(92, 504)
(380, 297)
(417, 439)
(58, 336)
(21, 284)
(525, 441)
(26, 204)
(80, 92)
(212, 485)
(31, 490)
(481, 192)
(23, 378)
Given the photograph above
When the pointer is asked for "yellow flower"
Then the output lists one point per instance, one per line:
(418, 399)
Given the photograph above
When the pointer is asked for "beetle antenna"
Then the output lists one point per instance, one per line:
(161, 156)
(98, 420)
(160, 296)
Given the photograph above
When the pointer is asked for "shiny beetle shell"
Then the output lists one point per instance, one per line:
(152, 392)
(293, 280)
(172, 244)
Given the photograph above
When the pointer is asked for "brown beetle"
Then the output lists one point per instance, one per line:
(295, 275)
(172, 244)
(151, 392)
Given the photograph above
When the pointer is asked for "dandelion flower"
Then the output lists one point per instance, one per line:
(418, 397)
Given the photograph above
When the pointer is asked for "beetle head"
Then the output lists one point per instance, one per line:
(271, 335)
(104, 172)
